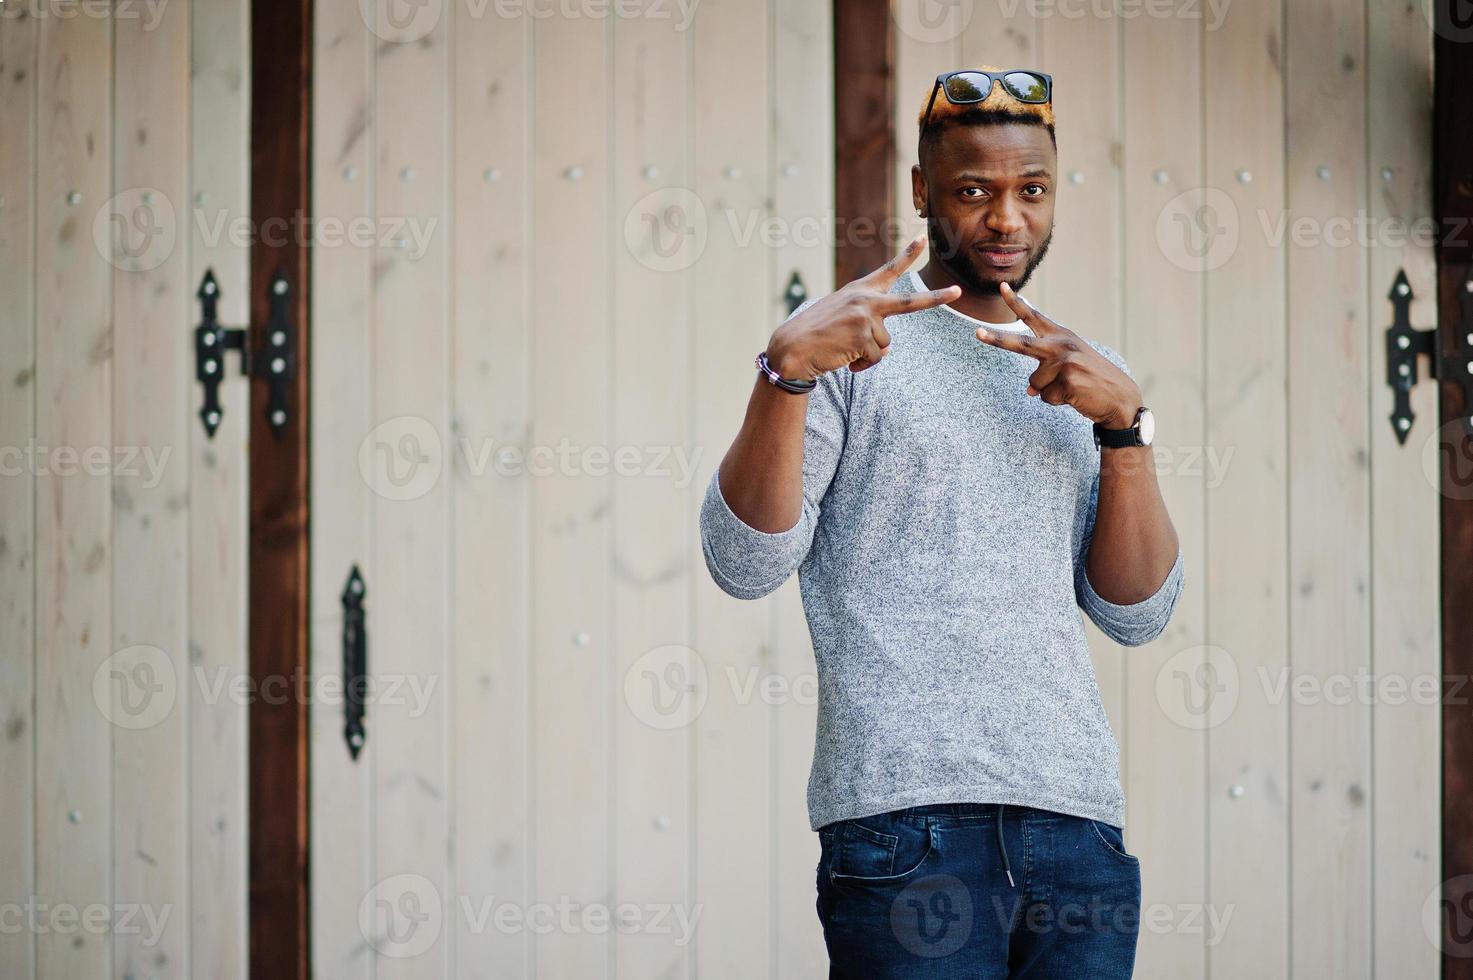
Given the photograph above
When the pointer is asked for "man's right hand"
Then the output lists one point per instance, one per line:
(848, 325)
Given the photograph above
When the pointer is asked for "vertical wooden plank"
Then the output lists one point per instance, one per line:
(731, 309)
(150, 521)
(1010, 36)
(409, 623)
(572, 690)
(803, 192)
(219, 478)
(1083, 56)
(1452, 142)
(219, 163)
(18, 41)
(73, 520)
(491, 381)
(653, 512)
(926, 42)
(278, 576)
(1164, 345)
(1405, 639)
(343, 171)
(1329, 560)
(1244, 461)
(865, 57)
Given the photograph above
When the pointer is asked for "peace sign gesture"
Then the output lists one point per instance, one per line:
(1070, 371)
(848, 325)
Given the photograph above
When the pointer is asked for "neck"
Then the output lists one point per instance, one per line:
(990, 307)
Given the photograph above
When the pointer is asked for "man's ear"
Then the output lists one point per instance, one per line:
(917, 187)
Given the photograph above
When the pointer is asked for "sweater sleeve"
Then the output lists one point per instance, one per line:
(1134, 623)
(748, 563)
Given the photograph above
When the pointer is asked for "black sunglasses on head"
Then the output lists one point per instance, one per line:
(970, 86)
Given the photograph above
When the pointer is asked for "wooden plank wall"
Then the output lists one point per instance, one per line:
(512, 430)
(122, 528)
(1189, 142)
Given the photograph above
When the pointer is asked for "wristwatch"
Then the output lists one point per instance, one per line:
(1140, 433)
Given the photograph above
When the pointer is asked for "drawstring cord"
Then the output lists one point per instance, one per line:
(1002, 848)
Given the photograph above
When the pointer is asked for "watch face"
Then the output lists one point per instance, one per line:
(1148, 427)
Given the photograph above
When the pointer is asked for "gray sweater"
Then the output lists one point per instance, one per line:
(941, 559)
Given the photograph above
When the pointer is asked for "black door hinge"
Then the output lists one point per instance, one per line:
(276, 360)
(1404, 343)
(355, 662)
(796, 293)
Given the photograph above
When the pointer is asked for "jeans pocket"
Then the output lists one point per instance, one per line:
(1112, 840)
(864, 854)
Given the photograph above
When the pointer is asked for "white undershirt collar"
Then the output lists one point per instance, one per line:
(1016, 326)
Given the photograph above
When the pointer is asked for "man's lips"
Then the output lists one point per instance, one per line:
(1002, 256)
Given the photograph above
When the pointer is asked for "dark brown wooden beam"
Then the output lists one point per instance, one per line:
(864, 136)
(281, 74)
(1452, 177)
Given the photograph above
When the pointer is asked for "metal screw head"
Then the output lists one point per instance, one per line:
(1403, 424)
(1470, 340)
(662, 823)
(350, 173)
(278, 417)
(1322, 172)
(573, 173)
(277, 365)
(730, 172)
(1403, 342)
(75, 816)
(277, 338)
(74, 198)
(1160, 176)
(491, 175)
(210, 366)
(209, 336)
(1245, 177)
(1402, 289)
(1386, 174)
(580, 639)
(210, 289)
(148, 197)
(1236, 790)
(1076, 177)
(650, 171)
(407, 174)
(279, 287)
(1404, 370)
(214, 418)
(790, 170)
(199, 197)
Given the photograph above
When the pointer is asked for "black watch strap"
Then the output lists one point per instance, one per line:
(1120, 438)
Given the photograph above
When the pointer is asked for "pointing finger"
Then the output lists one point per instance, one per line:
(1017, 342)
(884, 277)
(890, 304)
(1026, 311)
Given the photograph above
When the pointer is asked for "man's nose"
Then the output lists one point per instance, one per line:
(1005, 218)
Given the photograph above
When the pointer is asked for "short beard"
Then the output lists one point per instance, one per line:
(964, 268)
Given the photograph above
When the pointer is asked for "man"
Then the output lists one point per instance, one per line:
(954, 475)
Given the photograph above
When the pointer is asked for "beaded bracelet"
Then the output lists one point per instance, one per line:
(796, 387)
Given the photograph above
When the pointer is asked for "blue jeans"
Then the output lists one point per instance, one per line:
(926, 892)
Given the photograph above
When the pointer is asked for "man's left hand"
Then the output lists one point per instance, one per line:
(1070, 371)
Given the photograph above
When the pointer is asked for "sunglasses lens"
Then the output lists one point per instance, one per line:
(968, 86)
(1026, 86)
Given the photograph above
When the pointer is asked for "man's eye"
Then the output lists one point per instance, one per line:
(968, 191)
(1039, 187)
